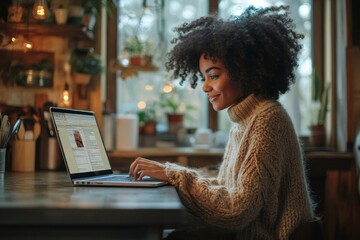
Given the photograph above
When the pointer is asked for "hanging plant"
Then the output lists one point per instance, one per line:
(88, 63)
(93, 7)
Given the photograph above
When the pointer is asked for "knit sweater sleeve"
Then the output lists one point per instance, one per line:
(216, 204)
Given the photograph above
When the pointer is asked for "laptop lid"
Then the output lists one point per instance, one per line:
(84, 151)
(80, 142)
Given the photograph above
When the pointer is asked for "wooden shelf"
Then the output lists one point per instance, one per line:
(128, 71)
(27, 60)
(68, 31)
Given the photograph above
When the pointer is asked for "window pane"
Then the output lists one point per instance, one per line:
(155, 23)
(297, 100)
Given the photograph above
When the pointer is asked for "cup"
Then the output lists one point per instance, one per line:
(2, 160)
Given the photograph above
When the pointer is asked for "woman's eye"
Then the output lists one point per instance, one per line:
(213, 77)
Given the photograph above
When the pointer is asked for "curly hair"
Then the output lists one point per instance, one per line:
(259, 49)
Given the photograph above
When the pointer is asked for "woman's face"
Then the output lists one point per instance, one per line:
(222, 92)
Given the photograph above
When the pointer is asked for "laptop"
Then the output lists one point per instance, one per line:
(84, 152)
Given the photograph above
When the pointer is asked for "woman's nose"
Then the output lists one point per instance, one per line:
(205, 87)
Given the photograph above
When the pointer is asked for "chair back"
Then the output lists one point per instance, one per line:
(308, 230)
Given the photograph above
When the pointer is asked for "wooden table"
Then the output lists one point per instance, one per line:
(44, 205)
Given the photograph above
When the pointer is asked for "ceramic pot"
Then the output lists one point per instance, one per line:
(175, 122)
(81, 78)
(136, 61)
(318, 135)
(61, 15)
(149, 128)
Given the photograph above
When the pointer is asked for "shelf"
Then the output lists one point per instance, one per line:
(29, 75)
(128, 71)
(68, 31)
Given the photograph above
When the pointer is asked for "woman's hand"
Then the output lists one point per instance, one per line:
(144, 167)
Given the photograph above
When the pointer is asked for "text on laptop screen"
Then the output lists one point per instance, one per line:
(81, 141)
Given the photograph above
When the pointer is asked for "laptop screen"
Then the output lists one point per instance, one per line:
(80, 141)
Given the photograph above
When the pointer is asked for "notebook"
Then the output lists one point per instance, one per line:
(84, 152)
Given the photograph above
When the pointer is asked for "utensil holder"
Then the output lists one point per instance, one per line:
(23, 156)
(49, 154)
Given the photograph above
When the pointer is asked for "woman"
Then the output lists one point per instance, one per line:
(245, 63)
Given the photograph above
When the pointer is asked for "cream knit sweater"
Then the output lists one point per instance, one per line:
(261, 190)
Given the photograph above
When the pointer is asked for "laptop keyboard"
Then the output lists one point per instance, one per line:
(117, 179)
(111, 178)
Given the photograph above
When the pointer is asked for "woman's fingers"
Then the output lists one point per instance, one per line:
(144, 167)
(137, 161)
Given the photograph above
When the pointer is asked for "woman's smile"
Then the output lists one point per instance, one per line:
(213, 99)
(221, 91)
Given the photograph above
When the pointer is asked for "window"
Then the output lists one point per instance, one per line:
(155, 22)
(152, 21)
(298, 100)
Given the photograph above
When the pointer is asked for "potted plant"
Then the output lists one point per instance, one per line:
(45, 73)
(133, 47)
(148, 119)
(319, 96)
(85, 64)
(174, 107)
(92, 8)
(11, 74)
(139, 53)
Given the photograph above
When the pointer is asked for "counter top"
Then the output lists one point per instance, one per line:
(48, 199)
(167, 152)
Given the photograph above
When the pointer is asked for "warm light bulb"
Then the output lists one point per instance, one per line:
(65, 97)
(40, 9)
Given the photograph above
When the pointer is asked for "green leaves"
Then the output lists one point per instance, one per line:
(320, 94)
